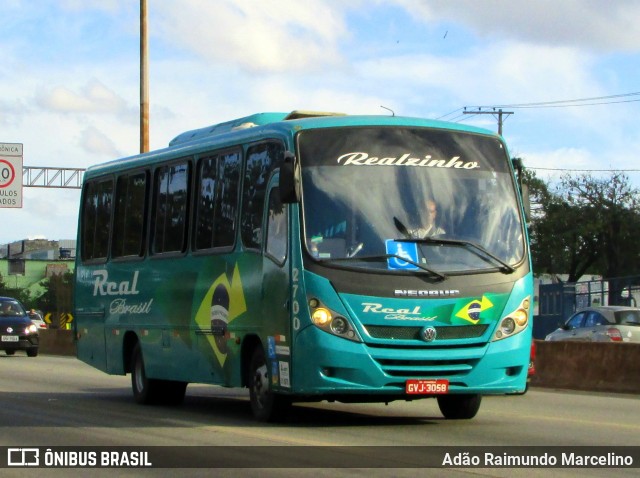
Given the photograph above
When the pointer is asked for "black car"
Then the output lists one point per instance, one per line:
(17, 331)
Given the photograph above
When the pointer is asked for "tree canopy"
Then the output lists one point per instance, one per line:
(585, 224)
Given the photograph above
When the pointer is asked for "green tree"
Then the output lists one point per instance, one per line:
(586, 224)
(612, 204)
(22, 295)
(559, 243)
(563, 240)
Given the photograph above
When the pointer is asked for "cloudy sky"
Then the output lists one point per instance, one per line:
(69, 77)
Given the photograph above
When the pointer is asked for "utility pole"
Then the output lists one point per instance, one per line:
(499, 112)
(144, 79)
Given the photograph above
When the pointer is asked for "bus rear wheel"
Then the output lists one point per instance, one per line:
(459, 407)
(266, 405)
(150, 391)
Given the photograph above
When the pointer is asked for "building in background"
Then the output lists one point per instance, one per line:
(40, 249)
(23, 264)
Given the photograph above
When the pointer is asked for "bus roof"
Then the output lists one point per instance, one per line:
(258, 119)
(263, 124)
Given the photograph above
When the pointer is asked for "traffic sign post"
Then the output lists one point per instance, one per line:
(10, 175)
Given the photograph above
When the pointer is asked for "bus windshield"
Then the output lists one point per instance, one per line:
(443, 200)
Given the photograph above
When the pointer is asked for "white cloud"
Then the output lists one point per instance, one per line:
(12, 112)
(590, 24)
(94, 141)
(561, 158)
(93, 97)
(46, 213)
(497, 73)
(552, 164)
(103, 5)
(257, 36)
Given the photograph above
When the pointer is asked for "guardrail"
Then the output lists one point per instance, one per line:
(589, 366)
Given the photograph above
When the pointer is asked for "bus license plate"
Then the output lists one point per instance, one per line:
(426, 387)
(10, 338)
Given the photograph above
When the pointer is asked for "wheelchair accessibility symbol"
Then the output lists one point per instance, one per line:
(405, 250)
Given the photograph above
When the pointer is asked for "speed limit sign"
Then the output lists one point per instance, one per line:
(10, 175)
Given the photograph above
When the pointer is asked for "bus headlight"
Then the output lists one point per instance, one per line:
(507, 326)
(321, 317)
(332, 322)
(339, 326)
(513, 322)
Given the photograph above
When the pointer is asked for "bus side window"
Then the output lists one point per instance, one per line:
(130, 214)
(96, 220)
(205, 203)
(276, 246)
(171, 198)
(262, 159)
(227, 197)
(217, 200)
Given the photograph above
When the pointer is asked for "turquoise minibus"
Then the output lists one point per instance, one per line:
(309, 256)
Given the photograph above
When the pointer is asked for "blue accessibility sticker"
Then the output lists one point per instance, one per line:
(271, 347)
(402, 250)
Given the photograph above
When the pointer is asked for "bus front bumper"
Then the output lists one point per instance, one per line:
(326, 365)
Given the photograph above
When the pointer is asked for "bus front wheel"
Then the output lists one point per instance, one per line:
(266, 405)
(459, 407)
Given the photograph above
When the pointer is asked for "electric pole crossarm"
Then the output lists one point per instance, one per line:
(66, 178)
(494, 112)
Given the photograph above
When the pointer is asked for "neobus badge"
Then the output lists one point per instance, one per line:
(103, 287)
(425, 293)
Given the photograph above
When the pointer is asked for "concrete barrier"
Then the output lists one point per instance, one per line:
(591, 366)
(603, 367)
(57, 342)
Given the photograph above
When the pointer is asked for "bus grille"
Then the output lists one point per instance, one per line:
(426, 368)
(451, 332)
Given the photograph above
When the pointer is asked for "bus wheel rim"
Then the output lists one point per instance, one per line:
(261, 385)
(139, 376)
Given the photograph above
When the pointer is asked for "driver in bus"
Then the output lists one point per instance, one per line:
(429, 228)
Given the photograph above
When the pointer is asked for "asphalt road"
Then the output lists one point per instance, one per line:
(51, 401)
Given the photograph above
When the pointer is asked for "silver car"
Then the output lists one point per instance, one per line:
(601, 324)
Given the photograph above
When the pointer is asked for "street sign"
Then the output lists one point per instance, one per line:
(10, 175)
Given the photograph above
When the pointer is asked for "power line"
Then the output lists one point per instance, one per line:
(498, 112)
(577, 105)
(577, 102)
(458, 118)
(595, 100)
(617, 170)
(448, 114)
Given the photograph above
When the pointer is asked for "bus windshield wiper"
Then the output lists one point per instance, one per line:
(401, 227)
(477, 249)
(439, 275)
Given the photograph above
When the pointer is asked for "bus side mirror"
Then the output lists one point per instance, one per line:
(289, 179)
